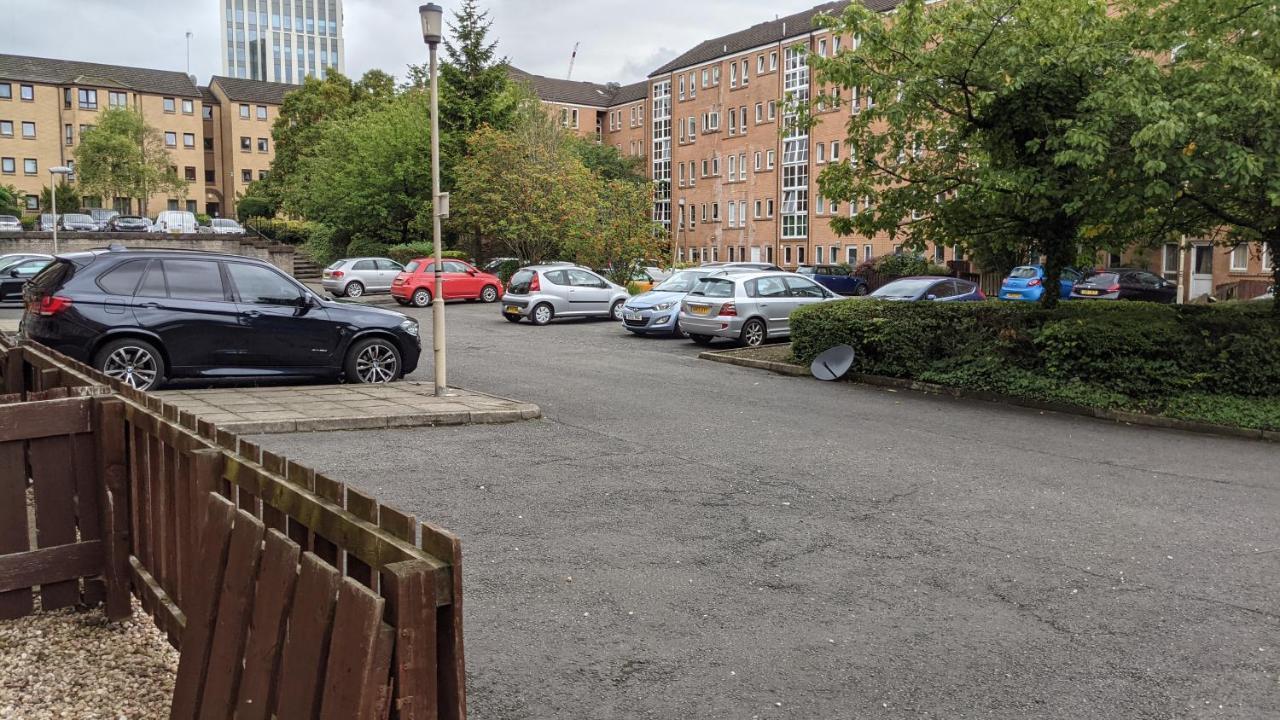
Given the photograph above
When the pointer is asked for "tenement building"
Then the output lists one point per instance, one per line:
(218, 137)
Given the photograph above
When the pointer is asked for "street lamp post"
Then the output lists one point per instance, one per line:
(54, 172)
(432, 17)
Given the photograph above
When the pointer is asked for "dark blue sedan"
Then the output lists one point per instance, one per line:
(928, 288)
(838, 280)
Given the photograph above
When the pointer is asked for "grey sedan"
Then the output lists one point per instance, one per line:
(544, 292)
(747, 307)
(9, 223)
(354, 277)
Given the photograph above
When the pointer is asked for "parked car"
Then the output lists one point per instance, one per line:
(746, 265)
(495, 263)
(355, 277)
(146, 316)
(1125, 284)
(129, 223)
(747, 307)
(14, 274)
(77, 222)
(646, 278)
(658, 311)
(175, 221)
(101, 217)
(47, 221)
(225, 226)
(1026, 283)
(838, 280)
(13, 258)
(545, 292)
(462, 281)
(9, 223)
(938, 289)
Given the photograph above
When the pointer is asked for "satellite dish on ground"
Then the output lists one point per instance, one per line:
(832, 364)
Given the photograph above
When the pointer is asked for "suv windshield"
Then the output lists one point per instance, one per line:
(713, 287)
(680, 282)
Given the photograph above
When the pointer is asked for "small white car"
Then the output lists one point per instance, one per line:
(226, 226)
(9, 223)
(175, 222)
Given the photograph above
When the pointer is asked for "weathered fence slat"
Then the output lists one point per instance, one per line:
(14, 530)
(55, 488)
(226, 649)
(47, 566)
(272, 600)
(357, 624)
(411, 605)
(55, 418)
(306, 647)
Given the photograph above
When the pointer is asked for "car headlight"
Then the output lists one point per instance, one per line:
(410, 326)
(665, 305)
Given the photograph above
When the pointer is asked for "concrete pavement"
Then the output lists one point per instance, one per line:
(679, 538)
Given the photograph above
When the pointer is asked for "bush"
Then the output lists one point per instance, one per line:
(1105, 354)
(252, 206)
(29, 221)
(506, 269)
(905, 266)
(405, 252)
(289, 232)
(365, 247)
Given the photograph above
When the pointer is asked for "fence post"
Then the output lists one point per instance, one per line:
(410, 590)
(109, 433)
(206, 472)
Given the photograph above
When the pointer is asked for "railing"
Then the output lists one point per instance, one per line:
(139, 486)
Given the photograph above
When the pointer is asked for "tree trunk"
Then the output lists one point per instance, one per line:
(1058, 251)
(1273, 247)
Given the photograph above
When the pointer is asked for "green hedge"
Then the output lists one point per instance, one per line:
(1177, 359)
(405, 252)
(290, 232)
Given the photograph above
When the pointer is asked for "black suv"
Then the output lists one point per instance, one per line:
(145, 316)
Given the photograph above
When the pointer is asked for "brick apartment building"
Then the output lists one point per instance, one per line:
(218, 137)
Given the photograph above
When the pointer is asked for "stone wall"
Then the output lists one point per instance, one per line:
(42, 242)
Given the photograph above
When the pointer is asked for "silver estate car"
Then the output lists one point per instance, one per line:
(748, 307)
(354, 277)
(543, 292)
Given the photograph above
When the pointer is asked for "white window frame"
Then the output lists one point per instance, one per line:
(1242, 250)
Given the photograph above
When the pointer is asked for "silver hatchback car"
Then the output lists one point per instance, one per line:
(355, 277)
(747, 307)
(544, 292)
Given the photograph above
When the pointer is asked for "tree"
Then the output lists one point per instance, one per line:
(68, 199)
(524, 189)
(367, 174)
(123, 156)
(1200, 113)
(624, 235)
(966, 140)
(608, 162)
(10, 199)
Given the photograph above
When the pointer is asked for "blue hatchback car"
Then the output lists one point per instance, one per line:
(1026, 283)
(836, 279)
(657, 311)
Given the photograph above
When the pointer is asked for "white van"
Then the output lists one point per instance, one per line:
(175, 221)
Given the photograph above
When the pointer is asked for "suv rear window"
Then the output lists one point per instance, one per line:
(56, 275)
(519, 284)
(123, 278)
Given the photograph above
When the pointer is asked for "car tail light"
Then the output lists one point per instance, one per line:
(1113, 288)
(336, 274)
(534, 285)
(981, 295)
(1034, 282)
(728, 310)
(53, 304)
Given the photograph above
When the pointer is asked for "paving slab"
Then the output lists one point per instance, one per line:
(345, 407)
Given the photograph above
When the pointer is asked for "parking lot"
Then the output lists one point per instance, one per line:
(679, 538)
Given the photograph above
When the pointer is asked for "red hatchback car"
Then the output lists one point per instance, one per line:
(415, 285)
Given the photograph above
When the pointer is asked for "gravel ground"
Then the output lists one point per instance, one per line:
(74, 664)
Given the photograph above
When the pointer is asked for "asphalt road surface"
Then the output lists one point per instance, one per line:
(684, 539)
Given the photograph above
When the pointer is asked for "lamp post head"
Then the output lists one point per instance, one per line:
(432, 23)
(60, 170)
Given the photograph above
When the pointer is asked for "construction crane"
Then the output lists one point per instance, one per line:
(572, 57)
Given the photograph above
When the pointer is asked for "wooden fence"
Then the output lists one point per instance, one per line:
(148, 474)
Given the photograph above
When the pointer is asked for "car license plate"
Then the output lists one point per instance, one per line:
(1088, 292)
(513, 310)
(1014, 294)
(700, 309)
(633, 316)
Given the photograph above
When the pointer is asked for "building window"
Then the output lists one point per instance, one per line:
(575, 118)
(169, 105)
(27, 92)
(786, 255)
(246, 176)
(8, 166)
(773, 61)
(28, 129)
(733, 168)
(188, 107)
(88, 99)
(33, 202)
(773, 110)
(835, 151)
(6, 128)
(1240, 258)
(171, 139)
(6, 91)
(851, 255)
(768, 207)
(244, 112)
(208, 177)
(821, 156)
(246, 144)
(30, 166)
(189, 173)
(760, 64)
(117, 99)
(822, 51)
(208, 144)
(733, 74)
(262, 112)
(192, 207)
(733, 121)
(262, 174)
(769, 160)
(745, 75)
(1266, 258)
(1172, 254)
(206, 112)
(188, 140)
(262, 144)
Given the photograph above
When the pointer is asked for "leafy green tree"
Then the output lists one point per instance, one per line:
(10, 200)
(624, 235)
(68, 199)
(966, 142)
(367, 174)
(1199, 116)
(255, 204)
(123, 156)
(524, 189)
(608, 162)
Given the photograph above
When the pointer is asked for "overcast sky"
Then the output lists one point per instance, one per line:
(622, 40)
